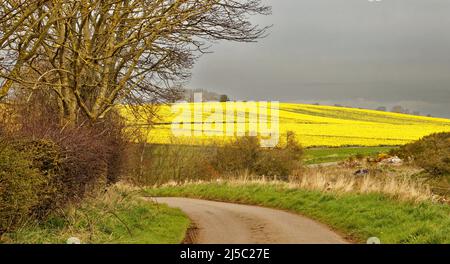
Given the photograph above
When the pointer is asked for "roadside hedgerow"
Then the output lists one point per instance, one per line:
(44, 166)
(20, 185)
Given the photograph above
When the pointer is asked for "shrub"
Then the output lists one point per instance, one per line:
(280, 162)
(238, 156)
(41, 175)
(273, 163)
(20, 183)
(84, 165)
(56, 164)
(432, 153)
(152, 164)
(45, 157)
(246, 154)
(93, 151)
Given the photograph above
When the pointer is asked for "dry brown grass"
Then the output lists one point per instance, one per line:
(396, 182)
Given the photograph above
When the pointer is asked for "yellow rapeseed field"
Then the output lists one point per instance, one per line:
(314, 125)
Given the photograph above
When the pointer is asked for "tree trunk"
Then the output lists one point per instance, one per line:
(69, 110)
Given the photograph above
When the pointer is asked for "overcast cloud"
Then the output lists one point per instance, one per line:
(352, 52)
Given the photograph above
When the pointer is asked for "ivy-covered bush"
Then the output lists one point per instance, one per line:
(21, 185)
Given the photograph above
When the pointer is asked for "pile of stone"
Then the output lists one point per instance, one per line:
(396, 161)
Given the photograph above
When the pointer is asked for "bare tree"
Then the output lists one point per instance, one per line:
(92, 54)
(20, 38)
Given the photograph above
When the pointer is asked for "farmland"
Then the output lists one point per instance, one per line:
(314, 125)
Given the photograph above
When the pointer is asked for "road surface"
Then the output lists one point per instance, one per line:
(227, 223)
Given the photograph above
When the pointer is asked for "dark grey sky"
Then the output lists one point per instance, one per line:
(352, 52)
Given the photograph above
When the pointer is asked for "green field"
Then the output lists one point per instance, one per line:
(356, 216)
(324, 155)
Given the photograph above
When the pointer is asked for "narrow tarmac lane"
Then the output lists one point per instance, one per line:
(227, 223)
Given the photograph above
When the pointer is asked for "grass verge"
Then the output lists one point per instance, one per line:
(357, 216)
(118, 216)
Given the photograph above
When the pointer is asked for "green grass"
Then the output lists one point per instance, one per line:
(324, 155)
(356, 216)
(120, 216)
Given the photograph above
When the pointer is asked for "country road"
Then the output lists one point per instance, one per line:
(227, 223)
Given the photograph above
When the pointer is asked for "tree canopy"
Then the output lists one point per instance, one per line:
(89, 55)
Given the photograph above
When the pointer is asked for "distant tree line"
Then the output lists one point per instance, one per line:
(207, 96)
(399, 109)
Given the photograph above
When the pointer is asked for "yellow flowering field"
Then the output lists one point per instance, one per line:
(314, 125)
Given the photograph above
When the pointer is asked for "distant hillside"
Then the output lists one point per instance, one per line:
(338, 126)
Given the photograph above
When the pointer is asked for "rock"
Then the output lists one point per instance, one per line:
(73, 240)
(393, 161)
(373, 241)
